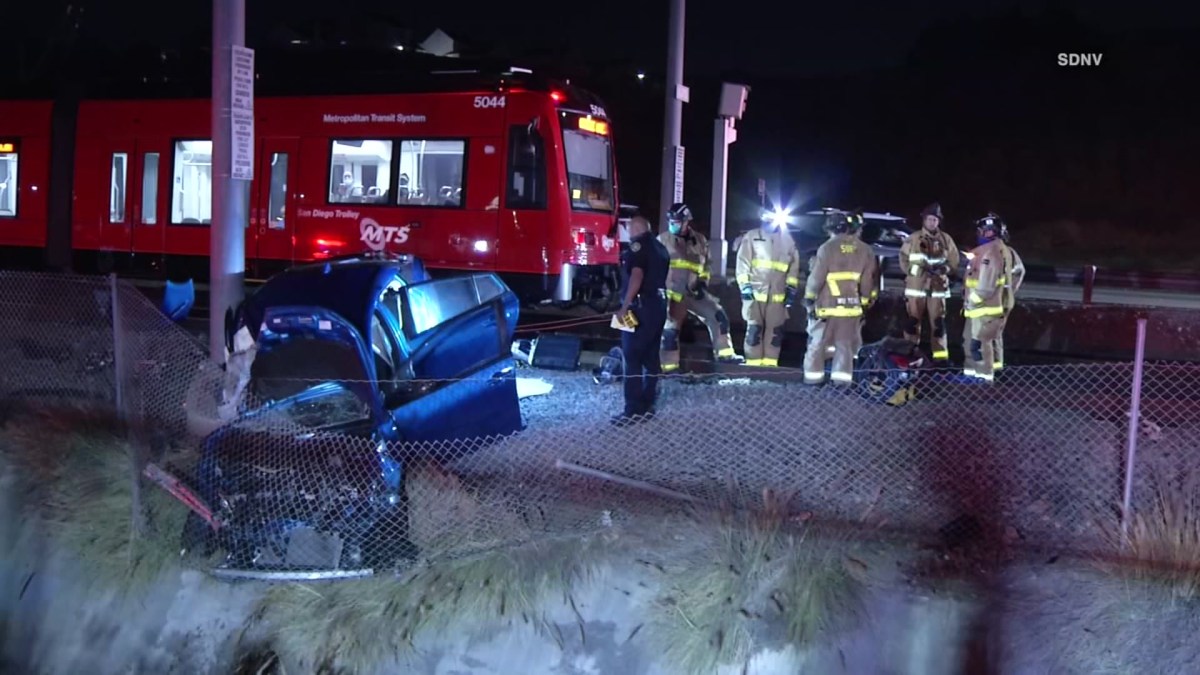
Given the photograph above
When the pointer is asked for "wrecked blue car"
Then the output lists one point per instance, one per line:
(368, 363)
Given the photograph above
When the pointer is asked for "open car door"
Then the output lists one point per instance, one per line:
(457, 374)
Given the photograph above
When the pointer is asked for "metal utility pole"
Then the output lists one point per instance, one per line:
(233, 165)
(677, 94)
(730, 109)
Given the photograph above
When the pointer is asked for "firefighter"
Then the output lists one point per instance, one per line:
(768, 273)
(1016, 277)
(687, 290)
(836, 296)
(983, 307)
(645, 264)
(927, 257)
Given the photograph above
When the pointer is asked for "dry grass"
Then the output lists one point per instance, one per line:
(753, 574)
(73, 465)
(446, 517)
(1164, 538)
(354, 626)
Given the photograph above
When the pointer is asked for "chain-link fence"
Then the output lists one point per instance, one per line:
(316, 486)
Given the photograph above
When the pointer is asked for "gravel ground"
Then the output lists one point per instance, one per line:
(1025, 455)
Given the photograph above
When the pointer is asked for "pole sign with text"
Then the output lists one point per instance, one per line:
(242, 114)
(678, 174)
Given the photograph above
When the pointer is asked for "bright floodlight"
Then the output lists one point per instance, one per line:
(778, 217)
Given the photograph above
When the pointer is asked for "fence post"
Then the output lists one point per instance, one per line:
(118, 352)
(1134, 422)
(1089, 282)
(120, 366)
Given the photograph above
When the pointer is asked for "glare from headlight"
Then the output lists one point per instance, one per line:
(780, 217)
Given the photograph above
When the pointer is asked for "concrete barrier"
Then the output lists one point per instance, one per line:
(1062, 328)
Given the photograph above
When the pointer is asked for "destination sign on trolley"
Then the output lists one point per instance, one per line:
(593, 125)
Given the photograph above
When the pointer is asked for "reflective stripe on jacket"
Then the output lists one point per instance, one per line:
(689, 262)
(1016, 277)
(986, 278)
(920, 253)
(769, 263)
(842, 277)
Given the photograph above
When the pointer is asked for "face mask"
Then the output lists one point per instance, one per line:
(674, 227)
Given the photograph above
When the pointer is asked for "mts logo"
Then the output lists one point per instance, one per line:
(1079, 59)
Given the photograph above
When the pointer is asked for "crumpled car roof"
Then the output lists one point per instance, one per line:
(348, 287)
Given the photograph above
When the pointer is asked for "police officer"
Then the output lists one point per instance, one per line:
(645, 264)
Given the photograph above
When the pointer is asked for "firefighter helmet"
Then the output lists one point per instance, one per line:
(857, 222)
(679, 211)
(989, 227)
(935, 210)
(842, 222)
(677, 216)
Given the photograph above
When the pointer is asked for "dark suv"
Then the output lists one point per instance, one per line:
(884, 232)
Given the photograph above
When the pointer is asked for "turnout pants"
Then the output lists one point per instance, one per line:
(764, 332)
(640, 348)
(706, 308)
(935, 308)
(998, 346)
(979, 336)
(843, 334)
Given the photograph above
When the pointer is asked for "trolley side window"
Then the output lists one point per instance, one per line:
(360, 172)
(191, 186)
(9, 161)
(526, 168)
(432, 173)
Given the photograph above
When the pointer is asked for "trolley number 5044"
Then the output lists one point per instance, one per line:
(489, 101)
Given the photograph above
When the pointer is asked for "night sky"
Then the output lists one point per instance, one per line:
(776, 39)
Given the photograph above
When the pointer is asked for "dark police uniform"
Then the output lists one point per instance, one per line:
(641, 347)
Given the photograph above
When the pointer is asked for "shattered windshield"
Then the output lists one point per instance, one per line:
(317, 372)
